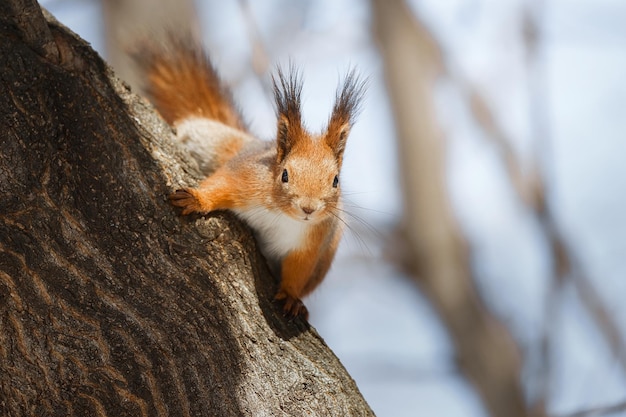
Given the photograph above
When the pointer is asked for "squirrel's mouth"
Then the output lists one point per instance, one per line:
(308, 210)
(312, 217)
(307, 218)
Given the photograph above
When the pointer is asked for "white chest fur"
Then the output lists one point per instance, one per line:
(277, 232)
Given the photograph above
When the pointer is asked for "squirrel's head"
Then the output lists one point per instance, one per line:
(307, 169)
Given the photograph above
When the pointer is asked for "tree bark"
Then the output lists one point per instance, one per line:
(110, 303)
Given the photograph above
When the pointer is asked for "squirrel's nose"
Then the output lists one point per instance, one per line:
(309, 205)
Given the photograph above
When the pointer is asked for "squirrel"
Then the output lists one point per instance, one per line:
(287, 190)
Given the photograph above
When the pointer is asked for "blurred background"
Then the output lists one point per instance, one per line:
(483, 272)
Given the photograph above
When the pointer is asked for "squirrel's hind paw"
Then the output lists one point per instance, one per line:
(292, 306)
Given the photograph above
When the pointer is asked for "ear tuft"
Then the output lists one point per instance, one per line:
(347, 107)
(287, 94)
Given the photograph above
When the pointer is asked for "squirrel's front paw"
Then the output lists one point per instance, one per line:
(292, 306)
(185, 198)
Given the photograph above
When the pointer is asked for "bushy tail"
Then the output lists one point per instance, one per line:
(181, 82)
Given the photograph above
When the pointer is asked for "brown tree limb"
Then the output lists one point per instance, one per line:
(110, 303)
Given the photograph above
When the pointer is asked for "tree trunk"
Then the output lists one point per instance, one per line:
(110, 303)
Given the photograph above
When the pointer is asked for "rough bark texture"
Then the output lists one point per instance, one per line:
(110, 303)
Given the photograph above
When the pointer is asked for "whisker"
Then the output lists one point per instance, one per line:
(345, 193)
(337, 212)
(360, 220)
(362, 244)
(350, 203)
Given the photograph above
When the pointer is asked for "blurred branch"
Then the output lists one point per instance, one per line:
(260, 59)
(533, 193)
(529, 189)
(486, 352)
(598, 311)
(598, 411)
(566, 259)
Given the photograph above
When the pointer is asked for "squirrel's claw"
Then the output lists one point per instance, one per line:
(185, 199)
(292, 306)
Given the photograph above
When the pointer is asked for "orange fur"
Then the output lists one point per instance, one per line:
(229, 150)
(182, 82)
(288, 191)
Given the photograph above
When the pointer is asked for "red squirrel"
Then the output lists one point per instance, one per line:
(287, 190)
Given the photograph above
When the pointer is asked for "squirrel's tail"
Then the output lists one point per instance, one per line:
(182, 83)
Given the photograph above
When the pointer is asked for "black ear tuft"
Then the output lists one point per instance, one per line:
(349, 98)
(288, 91)
(287, 94)
(347, 107)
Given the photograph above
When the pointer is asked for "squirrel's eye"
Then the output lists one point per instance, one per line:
(335, 181)
(285, 177)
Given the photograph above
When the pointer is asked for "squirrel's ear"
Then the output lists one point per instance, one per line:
(283, 141)
(287, 92)
(347, 106)
(336, 138)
